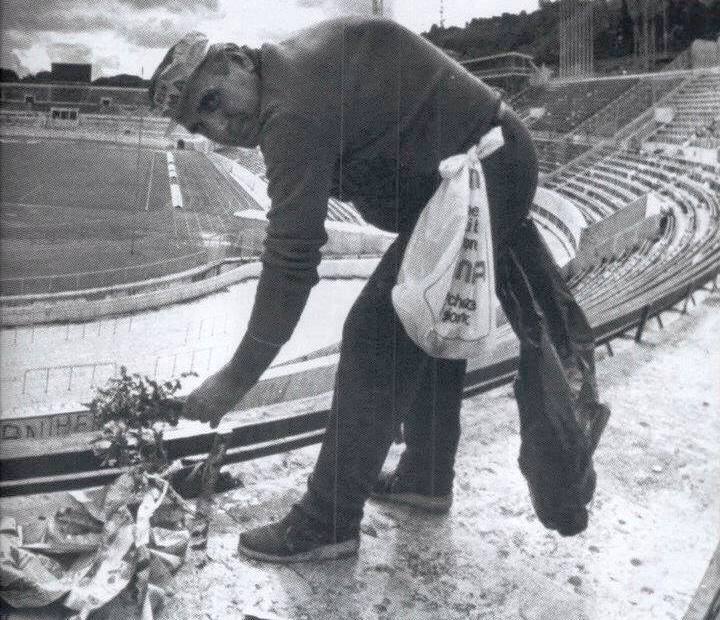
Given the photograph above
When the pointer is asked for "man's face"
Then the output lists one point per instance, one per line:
(223, 105)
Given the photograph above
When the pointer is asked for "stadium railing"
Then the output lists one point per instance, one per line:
(30, 471)
(100, 278)
(642, 116)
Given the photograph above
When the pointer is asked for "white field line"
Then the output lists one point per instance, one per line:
(175, 226)
(152, 168)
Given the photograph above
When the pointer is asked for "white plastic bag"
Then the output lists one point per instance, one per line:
(445, 291)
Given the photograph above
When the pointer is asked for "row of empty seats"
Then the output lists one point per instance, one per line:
(568, 105)
(696, 120)
(614, 176)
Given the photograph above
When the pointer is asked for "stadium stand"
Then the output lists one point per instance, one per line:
(554, 152)
(87, 98)
(604, 115)
(252, 160)
(631, 105)
(567, 105)
(689, 238)
(696, 114)
(571, 136)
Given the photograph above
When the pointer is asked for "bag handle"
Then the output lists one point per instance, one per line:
(489, 143)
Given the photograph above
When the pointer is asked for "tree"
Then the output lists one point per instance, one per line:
(627, 28)
(41, 77)
(123, 80)
(8, 75)
(536, 33)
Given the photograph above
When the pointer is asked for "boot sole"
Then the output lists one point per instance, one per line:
(435, 505)
(326, 552)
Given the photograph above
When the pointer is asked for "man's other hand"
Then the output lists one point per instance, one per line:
(214, 397)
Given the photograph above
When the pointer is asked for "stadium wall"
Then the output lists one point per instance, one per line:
(80, 306)
(619, 233)
(34, 127)
(280, 383)
(344, 238)
(116, 128)
(41, 97)
(697, 154)
(567, 216)
(607, 228)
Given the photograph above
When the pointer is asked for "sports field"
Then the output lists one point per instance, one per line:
(82, 175)
(72, 206)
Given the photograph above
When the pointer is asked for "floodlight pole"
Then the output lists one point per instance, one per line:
(137, 174)
(576, 30)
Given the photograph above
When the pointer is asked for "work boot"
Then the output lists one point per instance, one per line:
(398, 488)
(298, 538)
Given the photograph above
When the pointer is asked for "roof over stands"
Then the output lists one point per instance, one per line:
(501, 65)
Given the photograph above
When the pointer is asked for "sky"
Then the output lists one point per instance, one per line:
(131, 36)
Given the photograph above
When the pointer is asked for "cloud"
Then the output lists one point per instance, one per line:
(42, 31)
(174, 6)
(15, 40)
(80, 16)
(106, 65)
(10, 60)
(10, 44)
(153, 32)
(346, 7)
(69, 52)
(53, 15)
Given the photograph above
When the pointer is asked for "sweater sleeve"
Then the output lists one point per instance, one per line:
(300, 161)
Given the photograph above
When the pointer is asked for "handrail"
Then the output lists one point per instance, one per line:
(99, 272)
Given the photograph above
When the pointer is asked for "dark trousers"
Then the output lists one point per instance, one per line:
(383, 378)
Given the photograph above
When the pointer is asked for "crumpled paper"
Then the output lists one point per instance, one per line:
(113, 547)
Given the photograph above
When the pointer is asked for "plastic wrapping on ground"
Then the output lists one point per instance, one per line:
(111, 553)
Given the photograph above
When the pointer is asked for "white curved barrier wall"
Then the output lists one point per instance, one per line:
(51, 368)
(563, 209)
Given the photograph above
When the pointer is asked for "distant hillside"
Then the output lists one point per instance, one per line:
(536, 33)
(124, 80)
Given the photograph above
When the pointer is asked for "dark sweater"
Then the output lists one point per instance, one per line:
(359, 109)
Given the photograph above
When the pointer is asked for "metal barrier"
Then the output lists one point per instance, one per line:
(100, 278)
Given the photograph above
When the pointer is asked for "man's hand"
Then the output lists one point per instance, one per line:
(215, 396)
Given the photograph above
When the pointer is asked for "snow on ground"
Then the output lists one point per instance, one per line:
(199, 335)
(49, 368)
(654, 523)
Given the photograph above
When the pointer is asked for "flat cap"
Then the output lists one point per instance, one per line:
(168, 83)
